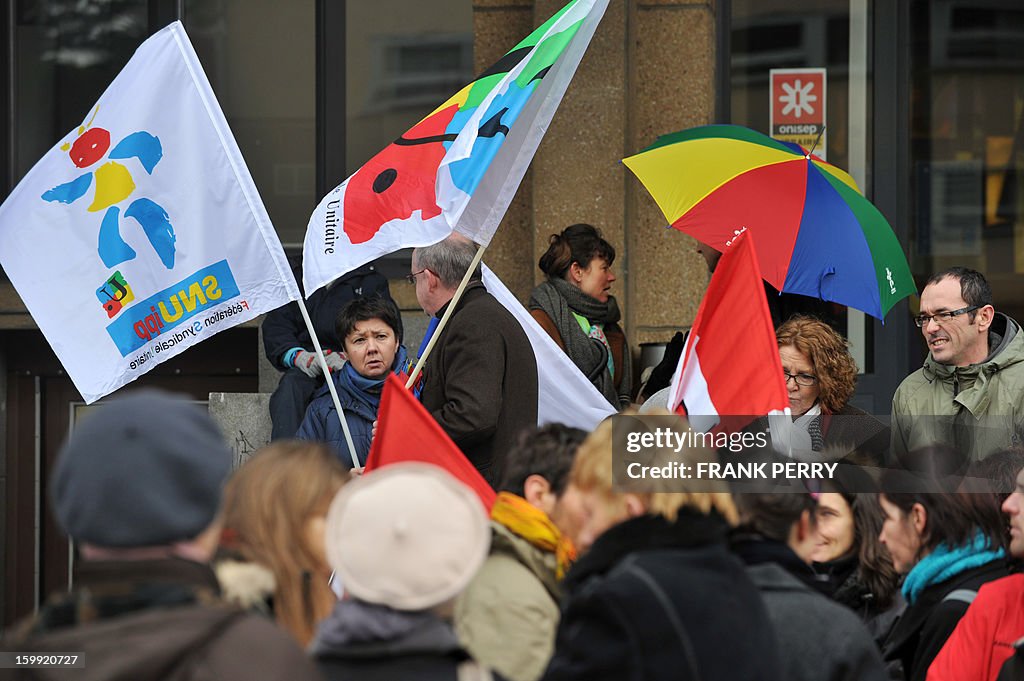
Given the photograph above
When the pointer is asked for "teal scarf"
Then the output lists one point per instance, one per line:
(945, 562)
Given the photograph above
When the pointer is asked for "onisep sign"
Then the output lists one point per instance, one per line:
(172, 307)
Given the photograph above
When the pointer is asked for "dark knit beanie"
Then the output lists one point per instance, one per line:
(145, 469)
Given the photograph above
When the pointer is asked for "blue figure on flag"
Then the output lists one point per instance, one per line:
(114, 184)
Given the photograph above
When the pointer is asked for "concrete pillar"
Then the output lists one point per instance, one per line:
(649, 71)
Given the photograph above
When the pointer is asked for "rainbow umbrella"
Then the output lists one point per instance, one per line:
(814, 232)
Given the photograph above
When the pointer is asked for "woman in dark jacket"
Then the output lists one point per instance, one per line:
(856, 569)
(574, 307)
(656, 593)
(371, 333)
(947, 544)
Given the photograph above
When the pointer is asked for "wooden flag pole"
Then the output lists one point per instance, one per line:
(447, 314)
(330, 384)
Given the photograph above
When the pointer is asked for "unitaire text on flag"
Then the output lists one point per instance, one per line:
(730, 366)
(141, 232)
(458, 168)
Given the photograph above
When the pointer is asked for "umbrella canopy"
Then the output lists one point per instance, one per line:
(814, 232)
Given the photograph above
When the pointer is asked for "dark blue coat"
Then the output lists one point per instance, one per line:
(321, 423)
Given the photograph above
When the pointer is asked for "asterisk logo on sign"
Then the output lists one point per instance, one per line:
(798, 98)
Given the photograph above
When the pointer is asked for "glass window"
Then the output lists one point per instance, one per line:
(260, 57)
(811, 34)
(967, 142)
(404, 58)
(66, 53)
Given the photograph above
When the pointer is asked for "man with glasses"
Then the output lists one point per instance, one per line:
(480, 379)
(970, 391)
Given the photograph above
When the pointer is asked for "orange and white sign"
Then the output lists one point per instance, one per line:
(798, 99)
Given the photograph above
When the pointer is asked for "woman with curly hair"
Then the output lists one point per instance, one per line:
(821, 376)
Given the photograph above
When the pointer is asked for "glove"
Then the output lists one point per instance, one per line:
(335, 362)
(307, 363)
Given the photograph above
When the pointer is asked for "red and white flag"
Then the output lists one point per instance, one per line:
(730, 366)
(407, 432)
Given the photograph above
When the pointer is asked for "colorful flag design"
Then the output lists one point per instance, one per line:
(458, 168)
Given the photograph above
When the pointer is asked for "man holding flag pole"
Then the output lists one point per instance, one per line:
(456, 171)
(480, 379)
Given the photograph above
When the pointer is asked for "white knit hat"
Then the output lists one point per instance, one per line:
(409, 536)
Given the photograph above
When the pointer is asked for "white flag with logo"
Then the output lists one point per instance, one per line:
(141, 233)
(564, 395)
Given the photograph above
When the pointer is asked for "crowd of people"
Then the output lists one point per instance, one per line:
(903, 566)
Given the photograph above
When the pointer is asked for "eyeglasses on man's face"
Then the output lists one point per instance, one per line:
(943, 317)
(804, 380)
(411, 278)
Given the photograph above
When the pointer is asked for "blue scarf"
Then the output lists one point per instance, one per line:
(368, 390)
(946, 562)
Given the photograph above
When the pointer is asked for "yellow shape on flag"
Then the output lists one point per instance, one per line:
(680, 176)
(113, 184)
(459, 98)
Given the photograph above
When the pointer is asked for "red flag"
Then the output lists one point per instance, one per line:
(730, 365)
(407, 432)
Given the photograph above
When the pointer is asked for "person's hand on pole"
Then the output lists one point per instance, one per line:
(307, 363)
(335, 361)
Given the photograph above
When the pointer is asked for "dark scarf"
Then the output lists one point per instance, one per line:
(109, 589)
(558, 299)
(356, 628)
(840, 580)
(754, 549)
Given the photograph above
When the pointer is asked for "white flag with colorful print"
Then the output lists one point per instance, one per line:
(141, 232)
(458, 168)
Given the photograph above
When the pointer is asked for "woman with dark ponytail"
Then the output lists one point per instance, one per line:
(576, 310)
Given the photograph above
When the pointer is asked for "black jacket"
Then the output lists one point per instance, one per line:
(926, 624)
(654, 599)
(846, 587)
(284, 328)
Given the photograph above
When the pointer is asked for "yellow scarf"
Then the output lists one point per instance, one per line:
(533, 525)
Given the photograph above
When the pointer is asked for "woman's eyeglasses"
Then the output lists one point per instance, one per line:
(801, 379)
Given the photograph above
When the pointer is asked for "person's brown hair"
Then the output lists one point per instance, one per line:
(579, 243)
(267, 504)
(874, 564)
(829, 353)
(953, 517)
